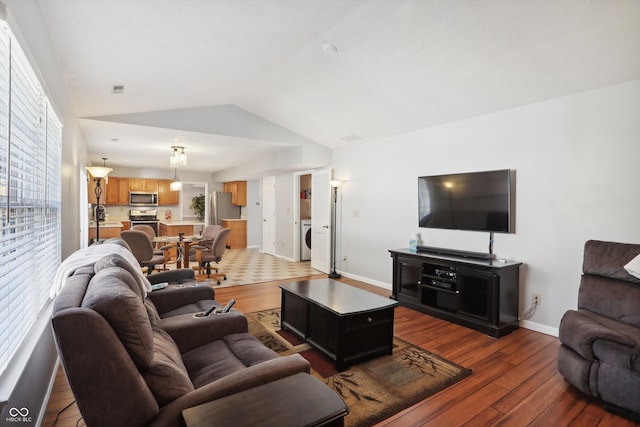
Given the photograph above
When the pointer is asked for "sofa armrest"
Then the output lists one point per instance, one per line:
(190, 332)
(579, 331)
(244, 379)
(173, 297)
(179, 275)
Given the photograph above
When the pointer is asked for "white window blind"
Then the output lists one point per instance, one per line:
(30, 196)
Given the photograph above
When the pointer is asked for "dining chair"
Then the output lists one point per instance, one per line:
(211, 251)
(142, 248)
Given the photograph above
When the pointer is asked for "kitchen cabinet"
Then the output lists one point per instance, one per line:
(238, 235)
(117, 191)
(166, 197)
(238, 190)
(107, 231)
(165, 229)
(91, 191)
(142, 184)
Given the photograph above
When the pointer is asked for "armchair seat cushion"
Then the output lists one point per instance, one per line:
(221, 358)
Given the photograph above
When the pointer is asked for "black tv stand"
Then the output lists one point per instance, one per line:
(481, 294)
(455, 252)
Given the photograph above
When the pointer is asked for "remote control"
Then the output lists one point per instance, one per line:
(228, 306)
(208, 312)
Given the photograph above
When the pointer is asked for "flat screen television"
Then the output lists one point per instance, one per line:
(475, 201)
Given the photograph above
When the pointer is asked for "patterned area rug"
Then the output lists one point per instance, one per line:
(248, 266)
(375, 389)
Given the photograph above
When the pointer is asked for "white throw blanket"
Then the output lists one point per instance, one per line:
(89, 256)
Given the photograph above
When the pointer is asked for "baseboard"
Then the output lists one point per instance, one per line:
(547, 330)
(366, 280)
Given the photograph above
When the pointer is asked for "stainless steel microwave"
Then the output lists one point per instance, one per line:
(143, 198)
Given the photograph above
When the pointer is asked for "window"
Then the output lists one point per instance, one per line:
(30, 196)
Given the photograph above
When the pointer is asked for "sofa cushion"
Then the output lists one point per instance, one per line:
(616, 299)
(109, 295)
(167, 376)
(607, 259)
(137, 285)
(220, 358)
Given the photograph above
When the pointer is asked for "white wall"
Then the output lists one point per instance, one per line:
(576, 160)
(254, 214)
(284, 216)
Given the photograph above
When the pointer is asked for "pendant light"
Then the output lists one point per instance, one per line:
(175, 185)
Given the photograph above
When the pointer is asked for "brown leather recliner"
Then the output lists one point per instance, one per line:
(600, 351)
(126, 368)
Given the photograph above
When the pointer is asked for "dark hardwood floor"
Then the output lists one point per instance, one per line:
(514, 383)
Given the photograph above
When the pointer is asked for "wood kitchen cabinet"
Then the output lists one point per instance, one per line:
(173, 230)
(91, 191)
(167, 197)
(141, 184)
(238, 235)
(117, 191)
(238, 190)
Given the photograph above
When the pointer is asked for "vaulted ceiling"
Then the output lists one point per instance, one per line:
(235, 80)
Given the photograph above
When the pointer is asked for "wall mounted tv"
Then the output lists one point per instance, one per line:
(476, 201)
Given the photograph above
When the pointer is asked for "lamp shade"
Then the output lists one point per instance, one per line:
(335, 183)
(98, 171)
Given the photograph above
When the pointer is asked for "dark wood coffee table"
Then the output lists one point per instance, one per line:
(345, 323)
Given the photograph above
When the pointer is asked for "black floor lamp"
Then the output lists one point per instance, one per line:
(335, 184)
(98, 172)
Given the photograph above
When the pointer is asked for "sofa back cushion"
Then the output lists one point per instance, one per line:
(606, 288)
(115, 260)
(167, 376)
(607, 259)
(109, 294)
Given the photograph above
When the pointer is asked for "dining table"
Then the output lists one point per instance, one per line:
(183, 243)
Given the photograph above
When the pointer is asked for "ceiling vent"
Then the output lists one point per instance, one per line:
(118, 89)
(351, 138)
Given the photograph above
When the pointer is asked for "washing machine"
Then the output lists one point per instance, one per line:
(305, 240)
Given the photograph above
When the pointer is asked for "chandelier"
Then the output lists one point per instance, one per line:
(178, 157)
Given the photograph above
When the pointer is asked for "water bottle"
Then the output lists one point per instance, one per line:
(413, 244)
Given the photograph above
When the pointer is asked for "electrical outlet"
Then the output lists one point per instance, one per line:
(536, 299)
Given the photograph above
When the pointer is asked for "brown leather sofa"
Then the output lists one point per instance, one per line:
(128, 365)
(600, 351)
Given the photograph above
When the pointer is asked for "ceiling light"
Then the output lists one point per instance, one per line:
(329, 48)
(175, 185)
(178, 157)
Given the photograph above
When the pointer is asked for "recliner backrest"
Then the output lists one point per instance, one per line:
(606, 288)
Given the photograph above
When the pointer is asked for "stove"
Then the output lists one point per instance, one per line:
(144, 216)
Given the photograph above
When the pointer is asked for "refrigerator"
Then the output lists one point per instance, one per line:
(220, 208)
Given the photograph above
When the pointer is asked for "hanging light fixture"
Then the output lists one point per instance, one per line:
(178, 157)
(175, 185)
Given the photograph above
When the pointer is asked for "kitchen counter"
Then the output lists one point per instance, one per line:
(173, 228)
(238, 235)
(107, 230)
(170, 223)
(92, 224)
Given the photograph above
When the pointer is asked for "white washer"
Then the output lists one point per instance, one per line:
(305, 240)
